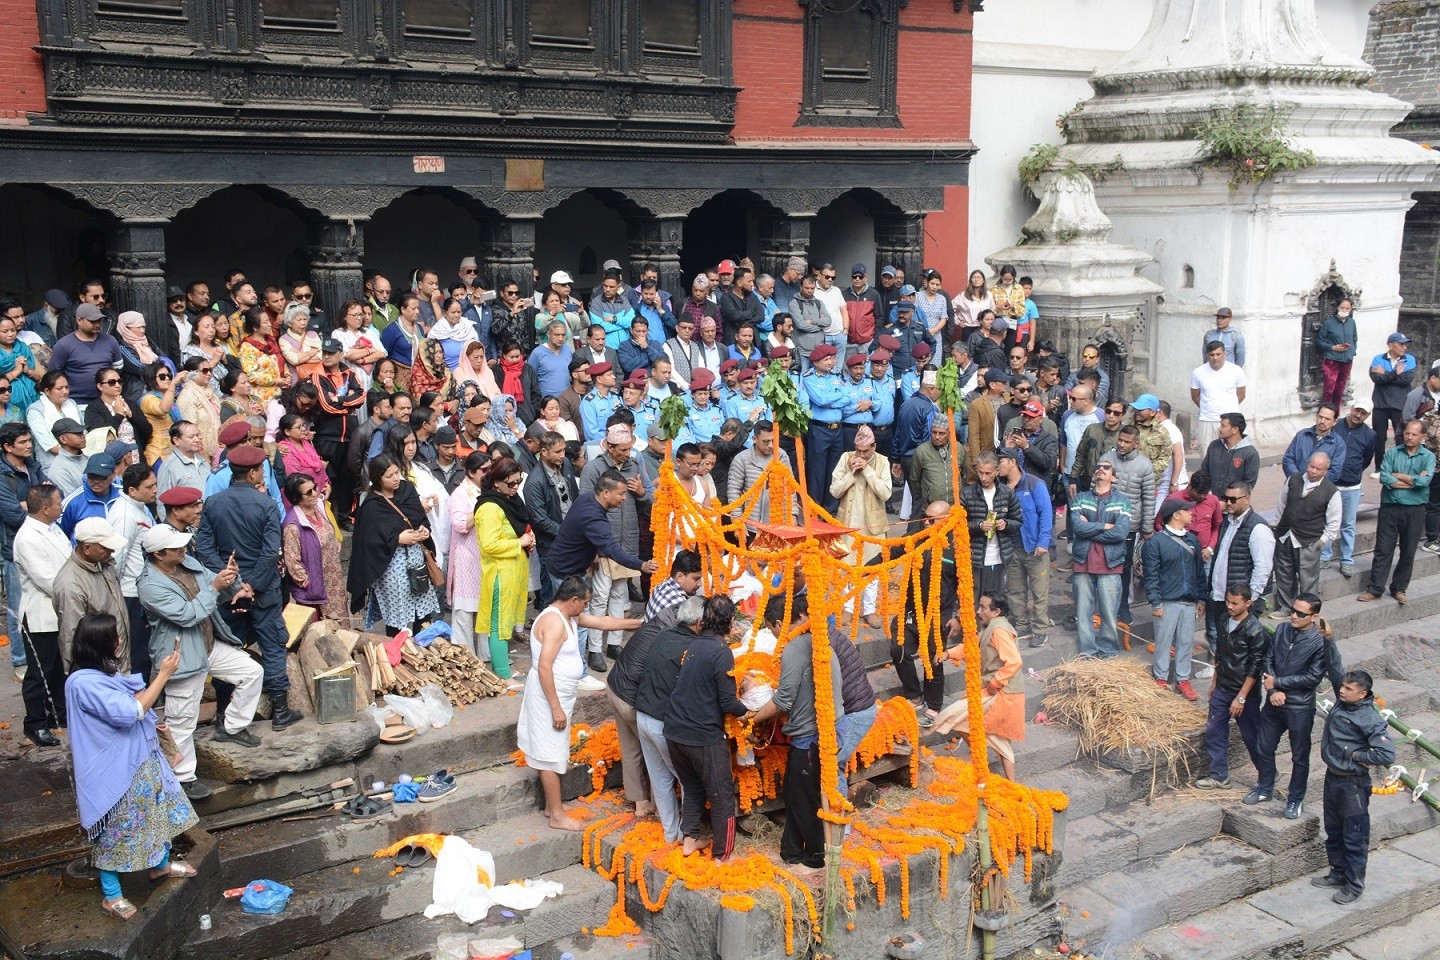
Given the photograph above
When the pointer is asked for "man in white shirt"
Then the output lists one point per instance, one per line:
(129, 515)
(1177, 477)
(40, 551)
(834, 299)
(1217, 386)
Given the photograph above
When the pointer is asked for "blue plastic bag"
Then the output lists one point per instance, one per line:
(265, 897)
(436, 631)
(406, 792)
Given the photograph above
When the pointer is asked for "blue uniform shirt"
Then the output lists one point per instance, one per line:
(647, 413)
(741, 408)
(701, 425)
(884, 400)
(828, 399)
(594, 411)
(909, 384)
(854, 394)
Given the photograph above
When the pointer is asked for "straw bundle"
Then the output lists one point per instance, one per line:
(1116, 707)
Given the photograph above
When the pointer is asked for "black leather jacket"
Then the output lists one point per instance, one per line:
(1241, 653)
(1299, 660)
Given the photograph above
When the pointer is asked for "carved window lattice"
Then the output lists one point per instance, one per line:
(850, 59)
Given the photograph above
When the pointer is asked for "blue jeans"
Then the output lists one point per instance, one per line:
(1275, 722)
(1097, 593)
(852, 729)
(1175, 628)
(1217, 729)
(12, 613)
(264, 626)
(1349, 506)
(662, 773)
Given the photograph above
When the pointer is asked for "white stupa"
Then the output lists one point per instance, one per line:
(1279, 252)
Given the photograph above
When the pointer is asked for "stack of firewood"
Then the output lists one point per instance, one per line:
(453, 668)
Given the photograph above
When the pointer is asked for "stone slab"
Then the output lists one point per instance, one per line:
(1094, 846)
(1168, 823)
(1264, 826)
(1396, 886)
(1422, 846)
(1045, 747)
(1413, 939)
(1398, 816)
(305, 746)
(1235, 931)
(1090, 787)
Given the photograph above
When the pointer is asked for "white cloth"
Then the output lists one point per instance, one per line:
(1173, 432)
(1219, 389)
(131, 519)
(457, 887)
(40, 551)
(437, 518)
(538, 739)
(992, 544)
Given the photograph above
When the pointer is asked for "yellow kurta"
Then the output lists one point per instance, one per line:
(504, 578)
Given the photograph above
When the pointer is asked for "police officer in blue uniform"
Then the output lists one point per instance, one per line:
(747, 405)
(636, 399)
(826, 441)
(597, 405)
(728, 386)
(860, 392)
(702, 423)
(885, 391)
(910, 379)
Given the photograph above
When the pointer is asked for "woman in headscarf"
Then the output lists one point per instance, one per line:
(475, 368)
(502, 530)
(19, 367)
(503, 425)
(431, 375)
(453, 331)
(261, 359)
(136, 352)
(517, 379)
(862, 483)
(131, 806)
(389, 541)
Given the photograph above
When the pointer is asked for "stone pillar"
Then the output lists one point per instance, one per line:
(900, 242)
(657, 240)
(337, 248)
(782, 237)
(136, 250)
(511, 255)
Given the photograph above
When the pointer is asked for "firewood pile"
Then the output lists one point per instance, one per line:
(453, 668)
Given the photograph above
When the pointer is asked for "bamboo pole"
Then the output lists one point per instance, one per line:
(1411, 734)
(982, 840)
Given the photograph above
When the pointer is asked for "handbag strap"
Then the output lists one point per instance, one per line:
(397, 510)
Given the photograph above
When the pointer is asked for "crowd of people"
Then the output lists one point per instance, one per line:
(187, 474)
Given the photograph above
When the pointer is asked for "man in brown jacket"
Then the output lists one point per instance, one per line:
(984, 420)
(88, 583)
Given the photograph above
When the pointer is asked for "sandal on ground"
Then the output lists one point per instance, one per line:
(515, 684)
(176, 869)
(927, 719)
(120, 909)
(365, 808)
(411, 855)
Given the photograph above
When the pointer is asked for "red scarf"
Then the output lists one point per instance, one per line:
(265, 345)
(510, 370)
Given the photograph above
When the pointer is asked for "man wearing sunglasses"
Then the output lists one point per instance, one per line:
(1245, 554)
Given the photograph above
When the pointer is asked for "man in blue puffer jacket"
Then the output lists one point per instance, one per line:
(1028, 581)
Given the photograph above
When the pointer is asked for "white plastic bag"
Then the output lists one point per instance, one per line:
(415, 711)
(434, 698)
(379, 713)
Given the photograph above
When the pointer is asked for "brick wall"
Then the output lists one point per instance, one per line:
(933, 84)
(22, 80)
(1403, 45)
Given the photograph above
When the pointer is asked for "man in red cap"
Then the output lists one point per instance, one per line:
(728, 388)
(746, 404)
(600, 402)
(233, 436)
(825, 442)
(909, 379)
(1034, 436)
(860, 392)
(183, 506)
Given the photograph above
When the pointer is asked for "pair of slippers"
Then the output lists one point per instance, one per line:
(412, 855)
(366, 808)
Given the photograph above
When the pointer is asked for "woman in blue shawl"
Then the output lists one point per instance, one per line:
(18, 365)
(131, 805)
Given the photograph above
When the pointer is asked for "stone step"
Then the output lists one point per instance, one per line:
(280, 850)
(1412, 939)
(1294, 918)
(1114, 839)
(355, 896)
(1090, 786)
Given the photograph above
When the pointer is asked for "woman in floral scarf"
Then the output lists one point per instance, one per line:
(431, 375)
(503, 425)
(261, 359)
(474, 368)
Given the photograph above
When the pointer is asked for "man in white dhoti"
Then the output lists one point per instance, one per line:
(543, 731)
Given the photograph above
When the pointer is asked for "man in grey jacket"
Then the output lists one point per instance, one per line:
(181, 598)
(1135, 478)
(811, 318)
(749, 465)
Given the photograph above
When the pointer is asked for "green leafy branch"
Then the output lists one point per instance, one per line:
(948, 380)
(1045, 157)
(1251, 145)
(778, 390)
(672, 416)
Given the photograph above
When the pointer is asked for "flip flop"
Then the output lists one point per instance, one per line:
(366, 808)
(418, 856)
(176, 870)
(120, 909)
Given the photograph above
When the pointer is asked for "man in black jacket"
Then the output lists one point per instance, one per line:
(1300, 656)
(1354, 741)
(930, 693)
(1240, 651)
(549, 490)
(994, 515)
(737, 306)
